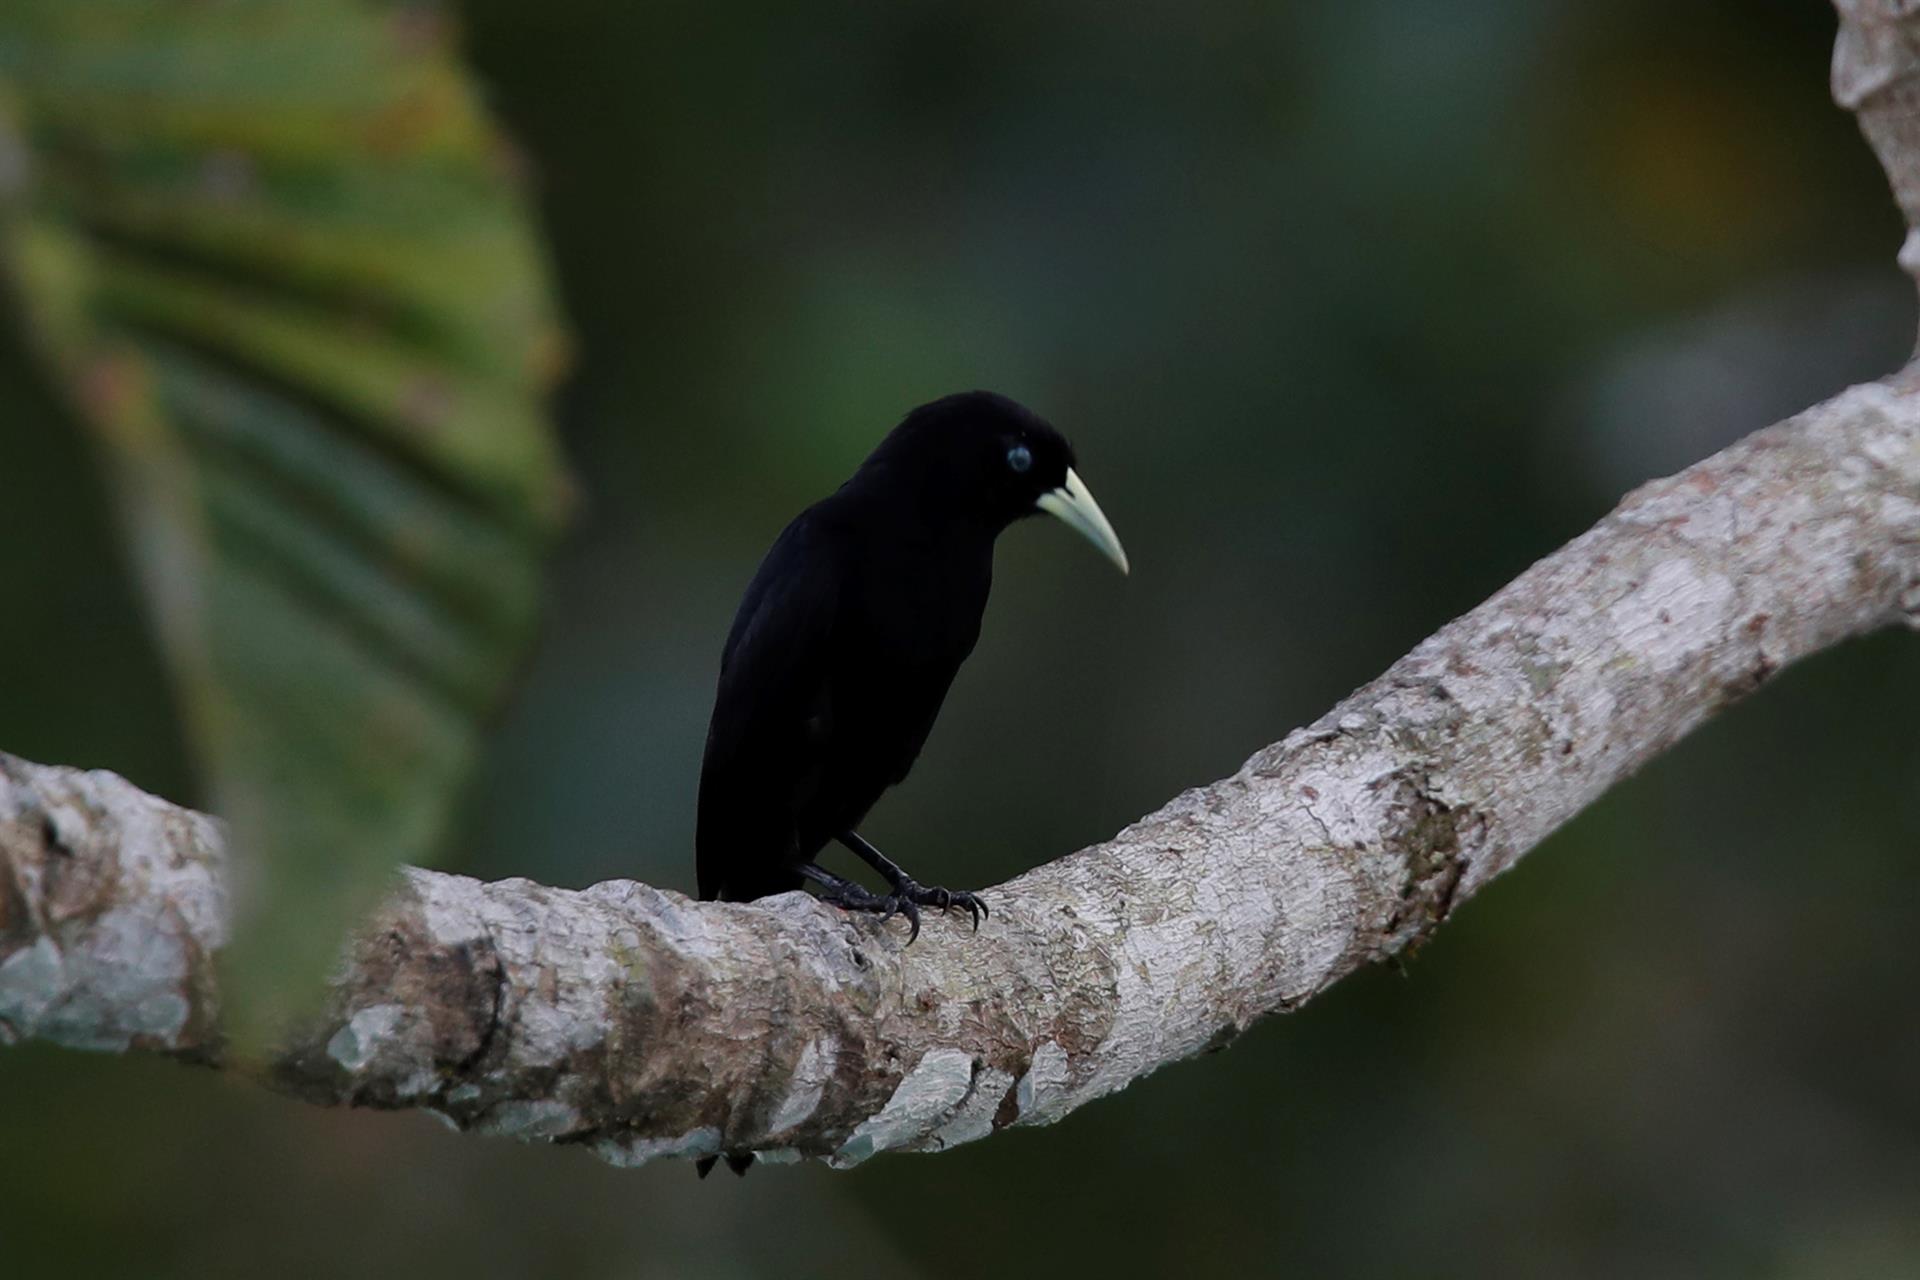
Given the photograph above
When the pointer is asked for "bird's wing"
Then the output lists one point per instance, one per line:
(770, 716)
(778, 645)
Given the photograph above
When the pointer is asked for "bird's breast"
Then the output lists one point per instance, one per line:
(912, 628)
(931, 624)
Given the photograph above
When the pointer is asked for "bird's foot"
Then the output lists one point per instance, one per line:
(944, 899)
(905, 899)
(853, 897)
(905, 887)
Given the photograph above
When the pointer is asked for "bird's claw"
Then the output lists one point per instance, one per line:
(906, 900)
(976, 907)
(886, 906)
(897, 904)
(948, 899)
(944, 900)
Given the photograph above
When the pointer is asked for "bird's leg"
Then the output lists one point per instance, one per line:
(905, 886)
(840, 892)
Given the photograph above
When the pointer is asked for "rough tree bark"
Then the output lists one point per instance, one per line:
(642, 1024)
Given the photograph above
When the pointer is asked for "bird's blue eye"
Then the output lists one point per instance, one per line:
(1020, 458)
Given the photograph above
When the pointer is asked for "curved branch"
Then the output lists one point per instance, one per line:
(645, 1024)
(642, 1024)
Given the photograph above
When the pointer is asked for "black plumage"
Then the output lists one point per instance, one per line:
(851, 633)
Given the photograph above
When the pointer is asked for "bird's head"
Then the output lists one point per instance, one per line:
(986, 455)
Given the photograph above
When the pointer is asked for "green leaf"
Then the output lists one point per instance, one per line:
(279, 260)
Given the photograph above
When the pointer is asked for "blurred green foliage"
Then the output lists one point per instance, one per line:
(1353, 310)
(276, 261)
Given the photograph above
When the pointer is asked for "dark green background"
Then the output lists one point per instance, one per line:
(1353, 311)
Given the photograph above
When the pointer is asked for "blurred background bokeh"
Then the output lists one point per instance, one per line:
(1353, 311)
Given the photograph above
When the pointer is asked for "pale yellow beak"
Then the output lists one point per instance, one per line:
(1073, 503)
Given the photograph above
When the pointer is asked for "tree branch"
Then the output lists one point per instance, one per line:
(642, 1024)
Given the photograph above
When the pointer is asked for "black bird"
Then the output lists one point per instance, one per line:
(849, 636)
